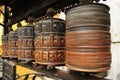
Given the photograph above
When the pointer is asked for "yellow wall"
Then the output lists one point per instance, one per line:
(1, 28)
(14, 27)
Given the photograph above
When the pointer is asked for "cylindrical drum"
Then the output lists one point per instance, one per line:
(5, 46)
(88, 38)
(50, 42)
(12, 43)
(26, 43)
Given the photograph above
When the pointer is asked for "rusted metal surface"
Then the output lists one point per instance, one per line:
(50, 42)
(5, 46)
(88, 15)
(88, 38)
(12, 43)
(26, 43)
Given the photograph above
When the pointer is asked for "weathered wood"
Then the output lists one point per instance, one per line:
(9, 70)
(35, 8)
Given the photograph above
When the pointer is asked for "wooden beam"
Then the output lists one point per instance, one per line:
(39, 9)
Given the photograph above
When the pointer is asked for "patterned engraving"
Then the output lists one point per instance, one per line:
(45, 27)
(36, 42)
(9, 44)
(52, 56)
(15, 52)
(24, 32)
(38, 28)
(39, 55)
(45, 55)
(46, 41)
(16, 44)
(51, 38)
(23, 43)
(32, 54)
(29, 43)
(57, 41)
(62, 42)
(39, 42)
(36, 54)
(13, 44)
(6, 53)
(61, 56)
(27, 54)
(21, 54)
(19, 42)
(11, 52)
(30, 31)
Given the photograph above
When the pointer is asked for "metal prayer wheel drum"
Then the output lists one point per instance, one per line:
(26, 43)
(88, 15)
(50, 42)
(88, 38)
(12, 43)
(5, 46)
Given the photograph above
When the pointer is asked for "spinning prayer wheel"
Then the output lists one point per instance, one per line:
(88, 38)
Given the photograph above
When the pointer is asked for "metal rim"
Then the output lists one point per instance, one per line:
(107, 7)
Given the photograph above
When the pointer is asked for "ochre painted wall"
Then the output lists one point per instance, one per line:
(1, 28)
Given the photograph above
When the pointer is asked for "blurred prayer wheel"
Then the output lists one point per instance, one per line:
(88, 38)
(50, 42)
(26, 43)
(12, 43)
(5, 46)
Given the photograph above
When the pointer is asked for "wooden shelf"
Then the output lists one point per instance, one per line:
(61, 74)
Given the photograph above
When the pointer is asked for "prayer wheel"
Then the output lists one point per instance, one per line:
(5, 46)
(12, 43)
(26, 43)
(50, 42)
(88, 38)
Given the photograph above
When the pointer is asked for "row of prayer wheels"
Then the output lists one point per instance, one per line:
(82, 42)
